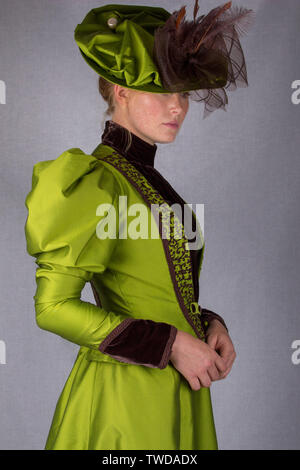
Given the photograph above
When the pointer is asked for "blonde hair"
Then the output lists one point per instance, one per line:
(106, 90)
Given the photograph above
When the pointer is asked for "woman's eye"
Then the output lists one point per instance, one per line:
(184, 94)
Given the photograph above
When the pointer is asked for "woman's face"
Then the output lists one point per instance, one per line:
(147, 114)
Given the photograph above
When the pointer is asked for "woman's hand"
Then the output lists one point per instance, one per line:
(196, 361)
(219, 340)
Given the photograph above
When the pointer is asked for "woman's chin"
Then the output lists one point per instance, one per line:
(168, 137)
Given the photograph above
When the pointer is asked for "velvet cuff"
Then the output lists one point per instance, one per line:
(208, 316)
(143, 342)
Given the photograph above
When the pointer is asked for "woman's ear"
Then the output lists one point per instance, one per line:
(121, 95)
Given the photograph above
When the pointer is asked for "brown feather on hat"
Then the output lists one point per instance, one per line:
(203, 56)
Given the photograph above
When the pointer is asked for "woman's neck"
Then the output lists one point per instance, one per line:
(128, 144)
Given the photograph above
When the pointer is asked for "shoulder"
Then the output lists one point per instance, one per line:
(70, 168)
(69, 189)
(64, 198)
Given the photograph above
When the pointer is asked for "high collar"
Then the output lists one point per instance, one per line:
(128, 144)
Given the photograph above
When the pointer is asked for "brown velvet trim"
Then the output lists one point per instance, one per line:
(115, 333)
(209, 315)
(143, 342)
(178, 258)
(168, 349)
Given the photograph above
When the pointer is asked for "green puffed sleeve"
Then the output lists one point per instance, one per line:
(60, 232)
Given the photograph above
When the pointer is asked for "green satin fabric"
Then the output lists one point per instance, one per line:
(106, 404)
(123, 55)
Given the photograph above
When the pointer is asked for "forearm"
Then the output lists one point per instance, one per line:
(75, 320)
(60, 310)
(141, 341)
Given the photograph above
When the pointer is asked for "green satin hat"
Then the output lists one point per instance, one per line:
(149, 49)
(122, 53)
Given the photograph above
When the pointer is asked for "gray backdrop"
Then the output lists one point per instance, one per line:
(242, 164)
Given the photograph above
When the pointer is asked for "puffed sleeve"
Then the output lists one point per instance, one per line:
(61, 234)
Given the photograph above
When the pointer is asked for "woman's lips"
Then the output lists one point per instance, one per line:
(173, 125)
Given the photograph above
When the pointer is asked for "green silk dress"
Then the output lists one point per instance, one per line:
(122, 393)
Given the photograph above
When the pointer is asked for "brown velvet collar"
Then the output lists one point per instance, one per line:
(128, 144)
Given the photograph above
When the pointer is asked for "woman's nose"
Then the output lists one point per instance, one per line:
(175, 101)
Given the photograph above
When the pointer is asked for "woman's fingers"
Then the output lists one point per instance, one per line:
(205, 380)
(195, 383)
(213, 372)
(221, 364)
(230, 362)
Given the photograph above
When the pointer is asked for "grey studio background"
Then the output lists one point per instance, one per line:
(243, 165)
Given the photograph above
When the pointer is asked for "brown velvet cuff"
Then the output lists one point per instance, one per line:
(143, 342)
(209, 315)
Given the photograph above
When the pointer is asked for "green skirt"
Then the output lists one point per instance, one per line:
(106, 405)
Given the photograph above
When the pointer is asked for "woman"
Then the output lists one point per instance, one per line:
(148, 352)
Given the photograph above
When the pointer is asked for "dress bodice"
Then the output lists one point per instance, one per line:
(142, 155)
